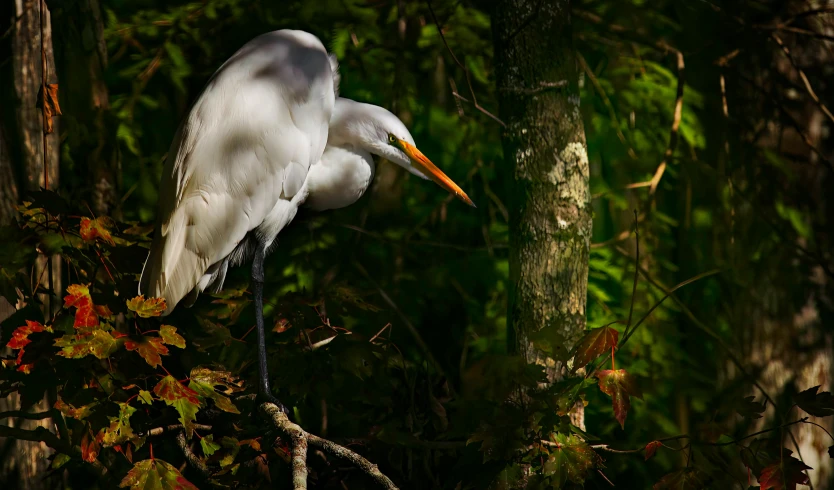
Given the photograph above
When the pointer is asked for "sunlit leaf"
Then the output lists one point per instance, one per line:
(68, 410)
(91, 229)
(157, 475)
(204, 381)
(619, 385)
(208, 445)
(171, 337)
(90, 446)
(119, 430)
(183, 399)
(146, 308)
(20, 339)
(150, 348)
(99, 343)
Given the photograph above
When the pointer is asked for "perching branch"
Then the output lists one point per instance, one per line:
(192, 458)
(300, 440)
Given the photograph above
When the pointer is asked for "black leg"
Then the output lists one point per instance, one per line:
(264, 393)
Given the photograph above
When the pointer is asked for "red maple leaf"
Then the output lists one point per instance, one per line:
(150, 348)
(619, 385)
(651, 448)
(183, 399)
(20, 339)
(86, 313)
(593, 344)
(785, 474)
(96, 228)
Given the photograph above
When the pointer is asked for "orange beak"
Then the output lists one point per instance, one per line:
(424, 165)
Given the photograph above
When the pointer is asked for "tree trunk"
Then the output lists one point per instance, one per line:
(544, 144)
(23, 463)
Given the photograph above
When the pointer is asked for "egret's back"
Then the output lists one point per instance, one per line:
(239, 161)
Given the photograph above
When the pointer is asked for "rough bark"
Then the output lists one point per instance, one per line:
(22, 463)
(544, 144)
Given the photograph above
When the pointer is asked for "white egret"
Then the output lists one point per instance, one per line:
(250, 152)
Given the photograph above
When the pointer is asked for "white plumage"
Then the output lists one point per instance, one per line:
(240, 164)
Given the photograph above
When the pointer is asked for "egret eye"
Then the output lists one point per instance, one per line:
(392, 139)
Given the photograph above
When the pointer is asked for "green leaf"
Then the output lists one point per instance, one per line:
(208, 445)
(145, 397)
(183, 399)
(99, 343)
(119, 430)
(204, 380)
(171, 337)
(155, 474)
(570, 460)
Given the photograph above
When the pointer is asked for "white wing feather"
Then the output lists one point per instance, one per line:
(239, 161)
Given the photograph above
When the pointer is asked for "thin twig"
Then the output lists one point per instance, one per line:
(802, 75)
(462, 67)
(170, 428)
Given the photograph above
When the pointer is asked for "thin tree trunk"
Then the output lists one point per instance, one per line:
(23, 463)
(544, 144)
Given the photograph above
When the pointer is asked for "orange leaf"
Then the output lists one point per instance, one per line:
(155, 473)
(87, 313)
(619, 385)
(90, 447)
(96, 228)
(146, 308)
(150, 348)
(48, 103)
(593, 344)
(20, 339)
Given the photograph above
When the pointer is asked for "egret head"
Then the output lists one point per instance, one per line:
(382, 133)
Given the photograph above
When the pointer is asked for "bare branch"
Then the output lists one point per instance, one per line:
(804, 78)
(192, 458)
(301, 439)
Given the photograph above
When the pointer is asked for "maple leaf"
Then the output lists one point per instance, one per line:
(208, 445)
(183, 399)
(120, 430)
(90, 446)
(683, 479)
(86, 313)
(571, 459)
(750, 409)
(816, 404)
(96, 228)
(171, 337)
(204, 380)
(785, 474)
(68, 410)
(651, 448)
(20, 339)
(145, 397)
(155, 474)
(99, 343)
(150, 348)
(146, 308)
(48, 103)
(593, 344)
(619, 385)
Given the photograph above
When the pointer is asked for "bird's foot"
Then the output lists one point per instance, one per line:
(269, 398)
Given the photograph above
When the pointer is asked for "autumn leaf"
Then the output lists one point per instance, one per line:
(150, 348)
(619, 385)
(204, 380)
(146, 308)
(119, 430)
(683, 479)
(570, 459)
(785, 474)
(155, 474)
(171, 337)
(816, 404)
(96, 228)
(20, 339)
(594, 344)
(651, 448)
(86, 314)
(90, 446)
(183, 399)
(48, 103)
(145, 397)
(68, 410)
(99, 343)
